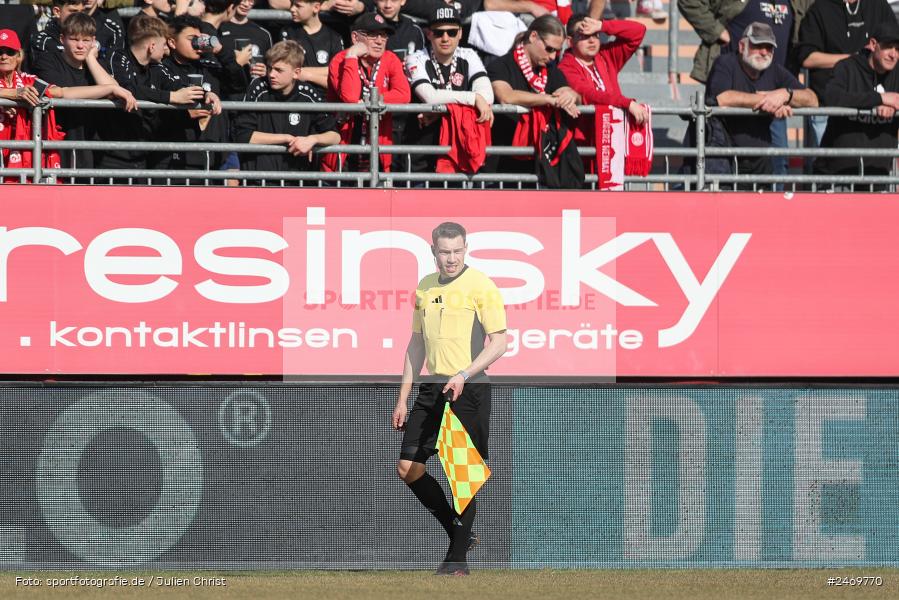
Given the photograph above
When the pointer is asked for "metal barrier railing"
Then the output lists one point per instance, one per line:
(698, 114)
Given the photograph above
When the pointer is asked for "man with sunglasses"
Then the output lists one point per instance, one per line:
(352, 74)
(592, 68)
(526, 76)
(445, 74)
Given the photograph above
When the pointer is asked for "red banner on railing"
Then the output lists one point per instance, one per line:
(321, 282)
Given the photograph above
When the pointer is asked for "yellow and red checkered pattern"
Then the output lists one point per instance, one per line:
(464, 467)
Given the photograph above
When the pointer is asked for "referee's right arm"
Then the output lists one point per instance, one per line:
(412, 364)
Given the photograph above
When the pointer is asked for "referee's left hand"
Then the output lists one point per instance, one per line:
(456, 383)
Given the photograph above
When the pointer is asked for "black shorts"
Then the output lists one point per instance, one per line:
(472, 408)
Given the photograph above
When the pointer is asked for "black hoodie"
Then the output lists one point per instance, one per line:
(829, 27)
(855, 84)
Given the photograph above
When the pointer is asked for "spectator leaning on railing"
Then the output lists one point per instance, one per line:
(592, 68)
(712, 20)
(77, 71)
(300, 132)
(831, 31)
(131, 69)
(866, 80)
(367, 64)
(15, 123)
(751, 79)
(448, 74)
(525, 77)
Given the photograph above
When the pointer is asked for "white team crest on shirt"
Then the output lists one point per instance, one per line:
(322, 56)
(293, 118)
(456, 79)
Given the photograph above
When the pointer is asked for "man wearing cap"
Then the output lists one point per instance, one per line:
(352, 74)
(867, 80)
(445, 74)
(751, 79)
(831, 31)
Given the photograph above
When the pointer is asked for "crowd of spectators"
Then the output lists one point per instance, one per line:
(197, 53)
(753, 52)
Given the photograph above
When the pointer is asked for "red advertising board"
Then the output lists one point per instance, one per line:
(143, 280)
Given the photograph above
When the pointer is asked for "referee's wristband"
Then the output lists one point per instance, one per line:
(464, 374)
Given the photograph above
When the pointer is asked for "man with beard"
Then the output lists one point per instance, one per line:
(866, 80)
(749, 79)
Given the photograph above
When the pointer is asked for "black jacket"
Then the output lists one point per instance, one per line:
(828, 27)
(407, 36)
(293, 123)
(854, 84)
(179, 126)
(146, 84)
(232, 77)
(110, 30)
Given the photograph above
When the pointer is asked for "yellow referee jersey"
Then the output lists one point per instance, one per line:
(455, 317)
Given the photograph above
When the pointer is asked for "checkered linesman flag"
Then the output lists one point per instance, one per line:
(462, 463)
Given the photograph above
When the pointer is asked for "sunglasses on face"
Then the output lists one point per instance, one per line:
(580, 36)
(8, 52)
(439, 33)
(549, 49)
(375, 34)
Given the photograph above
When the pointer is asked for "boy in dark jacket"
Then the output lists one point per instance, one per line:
(299, 132)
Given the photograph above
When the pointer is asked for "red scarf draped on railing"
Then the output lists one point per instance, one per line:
(467, 139)
(622, 146)
(18, 128)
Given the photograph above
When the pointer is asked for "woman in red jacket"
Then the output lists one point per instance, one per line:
(592, 68)
(351, 74)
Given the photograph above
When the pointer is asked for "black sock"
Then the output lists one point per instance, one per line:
(429, 493)
(462, 525)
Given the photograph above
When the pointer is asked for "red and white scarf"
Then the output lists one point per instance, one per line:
(622, 146)
(537, 81)
(638, 160)
(598, 84)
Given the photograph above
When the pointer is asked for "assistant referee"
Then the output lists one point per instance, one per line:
(456, 308)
